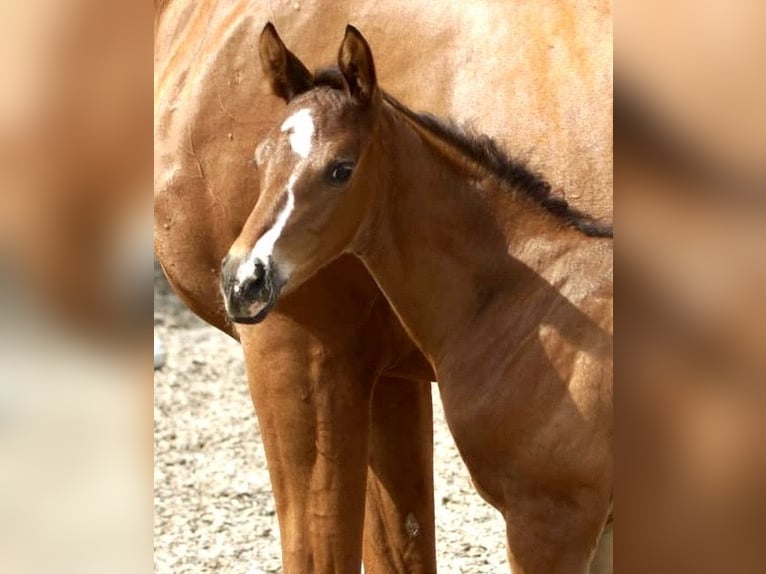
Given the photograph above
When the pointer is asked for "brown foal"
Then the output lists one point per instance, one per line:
(505, 289)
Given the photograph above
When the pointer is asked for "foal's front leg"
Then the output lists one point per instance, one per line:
(551, 533)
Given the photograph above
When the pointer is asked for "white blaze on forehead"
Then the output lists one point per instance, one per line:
(301, 128)
(264, 247)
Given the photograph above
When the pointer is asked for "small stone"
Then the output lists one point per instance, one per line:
(160, 354)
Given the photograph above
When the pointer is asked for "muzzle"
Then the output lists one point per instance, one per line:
(250, 288)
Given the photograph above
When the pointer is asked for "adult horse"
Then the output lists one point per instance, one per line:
(327, 345)
(505, 288)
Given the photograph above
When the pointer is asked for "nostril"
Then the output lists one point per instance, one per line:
(255, 281)
(249, 288)
(252, 286)
(259, 272)
(244, 283)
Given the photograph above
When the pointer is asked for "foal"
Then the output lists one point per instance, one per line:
(505, 288)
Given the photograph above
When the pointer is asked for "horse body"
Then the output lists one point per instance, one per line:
(506, 290)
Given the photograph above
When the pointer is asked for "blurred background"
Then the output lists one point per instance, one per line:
(75, 286)
(690, 184)
(76, 280)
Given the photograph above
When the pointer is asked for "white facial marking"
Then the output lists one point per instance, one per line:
(264, 247)
(301, 128)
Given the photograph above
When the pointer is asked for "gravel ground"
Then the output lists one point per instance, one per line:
(213, 505)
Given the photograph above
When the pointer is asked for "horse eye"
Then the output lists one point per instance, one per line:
(340, 172)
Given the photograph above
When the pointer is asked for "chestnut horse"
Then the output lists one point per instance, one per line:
(336, 402)
(505, 288)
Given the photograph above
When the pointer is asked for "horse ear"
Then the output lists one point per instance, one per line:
(286, 74)
(355, 62)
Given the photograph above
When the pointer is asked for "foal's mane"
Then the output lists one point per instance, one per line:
(486, 152)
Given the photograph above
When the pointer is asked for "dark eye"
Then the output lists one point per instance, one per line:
(340, 172)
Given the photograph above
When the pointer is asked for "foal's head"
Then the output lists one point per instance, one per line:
(313, 192)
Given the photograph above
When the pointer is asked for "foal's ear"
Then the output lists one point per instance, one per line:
(355, 62)
(286, 74)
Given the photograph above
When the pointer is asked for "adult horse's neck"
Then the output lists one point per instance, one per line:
(452, 247)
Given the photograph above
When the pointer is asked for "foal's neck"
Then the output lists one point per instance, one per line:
(448, 242)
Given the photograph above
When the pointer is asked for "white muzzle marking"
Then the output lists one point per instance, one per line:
(301, 128)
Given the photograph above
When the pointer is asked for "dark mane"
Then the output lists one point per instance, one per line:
(486, 152)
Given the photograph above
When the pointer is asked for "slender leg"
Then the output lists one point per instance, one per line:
(399, 525)
(313, 410)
